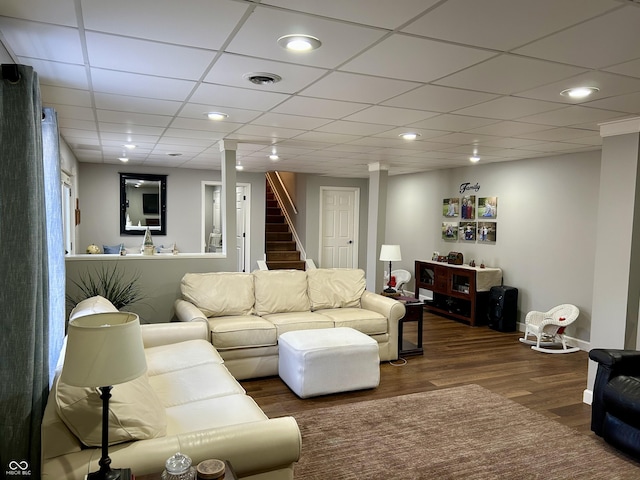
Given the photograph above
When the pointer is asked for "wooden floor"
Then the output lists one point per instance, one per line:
(457, 354)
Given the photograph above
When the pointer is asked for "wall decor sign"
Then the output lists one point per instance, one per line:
(465, 187)
(450, 207)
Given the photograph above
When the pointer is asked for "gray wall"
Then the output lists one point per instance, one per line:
(547, 220)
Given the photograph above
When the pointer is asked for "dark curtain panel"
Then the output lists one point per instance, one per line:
(25, 295)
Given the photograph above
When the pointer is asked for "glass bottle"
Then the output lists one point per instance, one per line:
(178, 467)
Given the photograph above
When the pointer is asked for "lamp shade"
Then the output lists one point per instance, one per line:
(390, 253)
(104, 349)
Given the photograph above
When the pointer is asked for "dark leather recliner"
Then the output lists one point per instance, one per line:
(615, 409)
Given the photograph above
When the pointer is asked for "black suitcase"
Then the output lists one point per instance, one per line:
(502, 310)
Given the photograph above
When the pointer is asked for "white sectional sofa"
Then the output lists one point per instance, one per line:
(247, 312)
(187, 402)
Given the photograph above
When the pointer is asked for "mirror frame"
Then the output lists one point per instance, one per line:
(123, 202)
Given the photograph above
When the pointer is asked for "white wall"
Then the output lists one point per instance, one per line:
(547, 220)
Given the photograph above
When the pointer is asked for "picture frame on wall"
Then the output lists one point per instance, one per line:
(467, 231)
(450, 207)
(468, 207)
(487, 207)
(487, 232)
(450, 231)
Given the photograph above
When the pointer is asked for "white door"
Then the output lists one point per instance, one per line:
(242, 216)
(339, 227)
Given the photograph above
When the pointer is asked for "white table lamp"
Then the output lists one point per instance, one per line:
(103, 350)
(390, 253)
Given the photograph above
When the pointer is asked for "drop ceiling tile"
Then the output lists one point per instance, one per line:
(230, 70)
(275, 133)
(42, 41)
(258, 37)
(204, 125)
(580, 45)
(60, 13)
(72, 112)
(326, 137)
(390, 115)
(463, 138)
(507, 74)
(555, 147)
(81, 135)
(357, 88)
(65, 96)
(622, 103)
(108, 101)
(609, 84)
(571, 116)
(518, 22)
(209, 94)
(73, 124)
(354, 128)
(508, 129)
(316, 107)
(439, 99)
(130, 118)
(133, 84)
(203, 24)
(141, 56)
(557, 134)
(453, 123)
(631, 68)
(423, 132)
(509, 108)
(290, 121)
(509, 143)
(122, 128)
(58, 74)
(396, 57)
(385, 14)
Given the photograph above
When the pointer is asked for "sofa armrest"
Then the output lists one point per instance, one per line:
(187, 311)
(155, 334)
(611, 363)
(392, 309)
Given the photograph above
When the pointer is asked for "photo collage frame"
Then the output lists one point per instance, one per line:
(469, 220)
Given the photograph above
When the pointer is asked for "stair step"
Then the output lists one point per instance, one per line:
(273, 211)
(272, 204)
(276, 227)
(279, 265)
(275, 219)
(277, 256)
(279, 236)
(280, 246)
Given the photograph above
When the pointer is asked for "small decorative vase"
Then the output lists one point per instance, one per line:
(148, 248)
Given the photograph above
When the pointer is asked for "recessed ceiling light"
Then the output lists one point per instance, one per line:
(216, 115)
(129, 146)
(579, 92)
(176, 154)
(262, 78)
(299, 43)
(474, 158)
(274, 157)
(239, 167)
(409, 135)
(123, 159)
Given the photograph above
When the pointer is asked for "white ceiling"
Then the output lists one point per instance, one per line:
(465, 74)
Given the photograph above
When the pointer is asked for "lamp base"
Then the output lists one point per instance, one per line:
(112, 474)
(390, 290)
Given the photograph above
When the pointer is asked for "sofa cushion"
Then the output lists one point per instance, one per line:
(281, 291)
(135, 412)
(335, 287)
(241, 331)
(365, 321)
(92, 305)
(178, 356)
(219, 293)
(285, 322)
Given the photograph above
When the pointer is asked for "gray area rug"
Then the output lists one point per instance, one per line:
(464, 432)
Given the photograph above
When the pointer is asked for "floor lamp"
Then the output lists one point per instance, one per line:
(390, 253)
(103, 350)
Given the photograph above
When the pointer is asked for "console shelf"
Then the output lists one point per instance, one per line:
(459, 291)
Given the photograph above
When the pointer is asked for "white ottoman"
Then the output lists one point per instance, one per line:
(328, 360)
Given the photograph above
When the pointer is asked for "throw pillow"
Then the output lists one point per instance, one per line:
(92, 305)
(219, 293)
(135, 412)
(115, 249)
(335, 287)
(281, 291)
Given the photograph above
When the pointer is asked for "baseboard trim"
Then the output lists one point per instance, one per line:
(587, 396)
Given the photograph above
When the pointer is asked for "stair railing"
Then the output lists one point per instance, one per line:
(276, 192)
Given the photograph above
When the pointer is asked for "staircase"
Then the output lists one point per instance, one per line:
(280, 245)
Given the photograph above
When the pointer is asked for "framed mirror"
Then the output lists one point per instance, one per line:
(143, 203)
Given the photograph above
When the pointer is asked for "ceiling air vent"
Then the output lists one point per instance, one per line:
(262, 78)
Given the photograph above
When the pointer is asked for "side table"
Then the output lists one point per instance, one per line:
(414, 311)
(229, 474)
